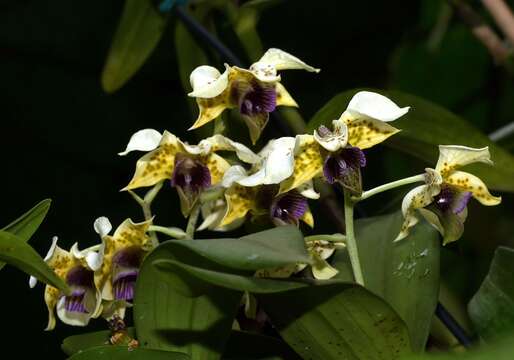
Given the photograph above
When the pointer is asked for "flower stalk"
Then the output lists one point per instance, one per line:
(394, 184)
(351, 243)
(193, 219)
(146, 204)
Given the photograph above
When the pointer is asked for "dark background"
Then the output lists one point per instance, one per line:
(60, 132)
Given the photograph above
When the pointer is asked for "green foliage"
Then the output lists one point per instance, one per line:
(26, 225)
(247, 345)
(139, 31)
(77, 343)
(426, 126)
(492, 308)
(121, 353)
(14, 251)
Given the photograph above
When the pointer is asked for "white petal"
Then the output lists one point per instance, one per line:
(335, 141)
(102, 226)
(143, 140)
(277, 166)
(207, 82)
(219, 142)
(95, 259)
(52, 248)
(69, 317)
(233, 174)
(454, 156)
(32, 282)
(307, 190)
(375, 106)
(275, 60)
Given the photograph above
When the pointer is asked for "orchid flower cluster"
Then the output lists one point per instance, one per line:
(272, 185)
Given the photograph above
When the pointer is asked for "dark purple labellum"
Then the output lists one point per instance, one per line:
(257, 98)
(80, 280)
(123, 286)
(451, 199)
(126, 263)
(190, 174)
(288, 208)
(344, 167)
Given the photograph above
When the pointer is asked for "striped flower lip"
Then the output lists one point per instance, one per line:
(255, 98)
(124, 285)
(190, 174)
(451, 199)
(339, 166)
(126, 263)
(81, 281)
(288, 208)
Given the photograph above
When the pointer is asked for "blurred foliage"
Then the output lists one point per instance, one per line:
(61, 131)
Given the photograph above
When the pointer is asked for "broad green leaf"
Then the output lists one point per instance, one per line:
(246, 345)
(108, 352)
(26, 225)
(337, 321)
(405, 273)
(76, 343)
(139, 31)
(14, 251)
(426, 126)
(492, 308)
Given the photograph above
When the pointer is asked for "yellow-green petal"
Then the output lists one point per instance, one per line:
(471, 183)
(365, 133)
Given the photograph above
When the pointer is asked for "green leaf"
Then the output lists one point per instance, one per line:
(76, 343)
(16, 252)
(425, 127)
(139, 31)
(405, 273)
(492, 308)
(121, 353)
(26, 225)
(337, 321)
(246, 345)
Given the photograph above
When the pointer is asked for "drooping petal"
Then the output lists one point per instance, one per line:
(51, 298)
(283, 96)
(308, 163)
(417, 198)
(471, 183)
(277, 165)
(233, 174)
(207, 82)
(370, 105)
(366, 132)
(156, 165)
(332, 140)
(275, 60)
(143, 140)
(256, 123)
(240, 200)
(209, 109)
(454, 156)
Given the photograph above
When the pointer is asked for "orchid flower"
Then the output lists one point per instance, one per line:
(255, 92)
(442, 200)
(122, 255)
(77, 269)
(190, 168)
(337, 154)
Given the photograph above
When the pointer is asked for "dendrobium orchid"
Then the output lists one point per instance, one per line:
(77, 269)
(255, 92)
(337, 154)
(190, 168)
(442, 200)
(122, 255)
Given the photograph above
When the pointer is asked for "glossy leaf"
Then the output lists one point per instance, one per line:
(139, 31)
(76, 343)
(405, 273)
(18, 253)
(426, 126)
(337, 321)
(108, 352)
(26, 225)
(492, 308)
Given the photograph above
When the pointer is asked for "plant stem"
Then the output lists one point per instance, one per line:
(193, 218)
(174, 232)
(449, 321)
(146, 204)
(394, 184)
(336, 238)
(351, 243)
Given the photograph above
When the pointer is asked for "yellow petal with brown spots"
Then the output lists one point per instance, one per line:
(473, 184)
(128, 234)
(51, 298)
(156, 165)
(283, 96)
(365, 133)
(217, 167)
(210, 109)
(308, 163)
(452, 157)
(240, 200)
